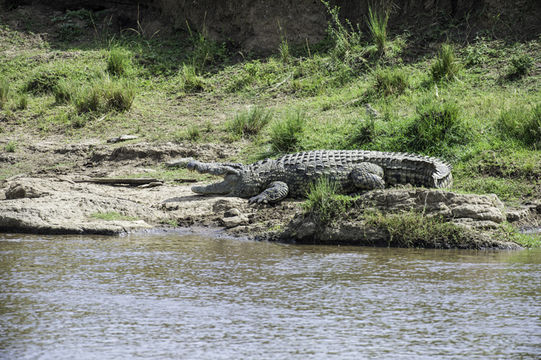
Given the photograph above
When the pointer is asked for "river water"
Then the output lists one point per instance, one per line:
(182, 296)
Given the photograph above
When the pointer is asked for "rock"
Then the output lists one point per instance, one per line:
(232, 212)
(514, 215)
(122, 138)
(21, 190)
(233, 221)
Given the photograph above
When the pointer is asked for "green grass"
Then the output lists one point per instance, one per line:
(119, 62)
(389, 81)
(250, 123)
(446, 66)
(521, 124)
(4, 92)
(286, 133)
(520, 66)
(377, 25)
(324, 203)
(10, 147)
(112, 216)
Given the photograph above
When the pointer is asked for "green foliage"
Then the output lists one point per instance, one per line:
(285, 134)
(285, 54)
(377, 24)
(323, 201)
(43, 81)
(521, 124)
(112, 216)
(436, 126)
(363, 133)
(11, 146)
(193, 133)
(446, 67)
(251, 122)
(520, 66)
(105, 95)
(205, 51)
(346, 39)
(389, 81)
(119, 62)
(4, 92)
(22, 102)
(413, 229)
(64, 91)
(189, 81)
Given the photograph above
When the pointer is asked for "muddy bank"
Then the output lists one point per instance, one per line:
(62, 199)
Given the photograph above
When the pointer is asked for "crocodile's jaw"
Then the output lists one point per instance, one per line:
(224, 187)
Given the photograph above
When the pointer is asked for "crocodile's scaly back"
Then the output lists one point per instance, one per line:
(399, 168)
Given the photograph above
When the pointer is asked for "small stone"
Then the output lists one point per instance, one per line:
(122, 138)
(232, 212)
(21, 190)
(231, 222)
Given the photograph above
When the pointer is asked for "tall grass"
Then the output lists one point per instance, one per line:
(521, 124)
(189, 80)
(446, 67)
(118, 62)
(520, 66)
(436, 127)
(285, 134)
(64, 91)
(4, 92)
(251, 122)
(105, 95)
(377, 25)
(390, 81)
(324, 202)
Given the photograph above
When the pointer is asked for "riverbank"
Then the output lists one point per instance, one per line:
(144, 195)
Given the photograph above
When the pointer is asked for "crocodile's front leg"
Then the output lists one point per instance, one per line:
(276, 191)
(367, 176)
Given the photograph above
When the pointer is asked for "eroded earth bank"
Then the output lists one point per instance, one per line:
(65, 199)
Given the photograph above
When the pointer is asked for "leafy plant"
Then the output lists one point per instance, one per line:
(446, 67)
(285, 134)
(250, 123)
(11, 146)
(204, 50)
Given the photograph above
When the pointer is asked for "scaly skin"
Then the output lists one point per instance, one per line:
(269, 181)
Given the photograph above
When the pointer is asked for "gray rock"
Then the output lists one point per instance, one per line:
(233, 221)
(514, 215)
(232, 212)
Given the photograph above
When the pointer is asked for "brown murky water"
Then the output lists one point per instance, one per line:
(178, 296)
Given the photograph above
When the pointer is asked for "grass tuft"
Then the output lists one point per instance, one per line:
(4, 92)
(446, 67)
(119, 62)
(105, 95)
(11, 146)
(189, 80)
(285, 134)
(63, 91)
(390, 81)
(520, 66)
(323, 201)
(521, 124)
(377, 25)
(250, 123)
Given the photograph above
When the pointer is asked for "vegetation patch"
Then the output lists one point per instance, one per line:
(286, 133)
(250, 123)
(324, 203)
(446, 66)
(112, 216)
(521, 124)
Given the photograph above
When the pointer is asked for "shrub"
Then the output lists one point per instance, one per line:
(390, 81)
(520, 66)
(521, 124)
(118, 62)
(4, 92)
(377, 25)
(436, 126)
(446, 66)
(89, 98)
(323, 201)
(285, 134)
(250, 122)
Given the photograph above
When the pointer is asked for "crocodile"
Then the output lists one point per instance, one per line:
(271, 180)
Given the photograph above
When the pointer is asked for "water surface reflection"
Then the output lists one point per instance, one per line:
(185, 296)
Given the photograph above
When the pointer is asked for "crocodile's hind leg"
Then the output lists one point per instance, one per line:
(367, 176)
(276, 191)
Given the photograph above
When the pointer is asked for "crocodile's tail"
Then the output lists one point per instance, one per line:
(418, 170)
